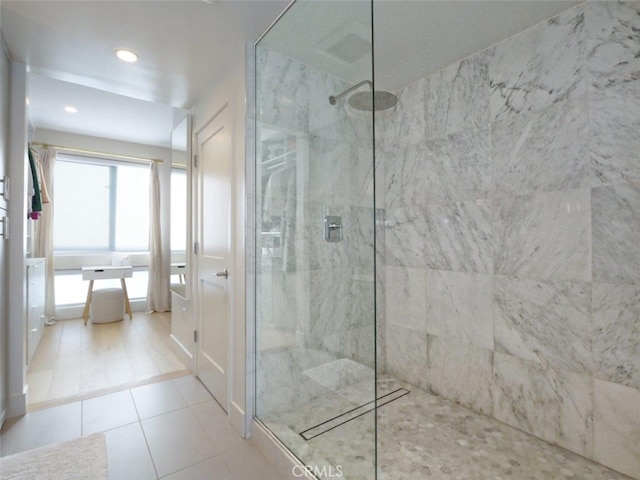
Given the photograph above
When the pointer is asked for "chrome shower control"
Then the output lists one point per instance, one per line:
(332, 228)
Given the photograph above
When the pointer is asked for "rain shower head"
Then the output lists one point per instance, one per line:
(367, 101)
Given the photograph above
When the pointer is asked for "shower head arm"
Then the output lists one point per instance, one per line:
(334, 98)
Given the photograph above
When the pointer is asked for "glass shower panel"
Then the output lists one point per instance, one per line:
(315, 238)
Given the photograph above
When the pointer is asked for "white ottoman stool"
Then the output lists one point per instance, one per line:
(107, 305)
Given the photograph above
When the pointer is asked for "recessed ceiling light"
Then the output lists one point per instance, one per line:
(71, 109)
(127, 55)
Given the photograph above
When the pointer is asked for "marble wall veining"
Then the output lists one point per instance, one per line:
(511, 244)
(315, 299)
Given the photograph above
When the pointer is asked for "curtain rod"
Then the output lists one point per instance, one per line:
(93, 152)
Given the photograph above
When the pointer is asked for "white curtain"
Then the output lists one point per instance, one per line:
(158, 295)
(43, 232)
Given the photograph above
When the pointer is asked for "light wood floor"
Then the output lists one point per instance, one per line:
(74, 361)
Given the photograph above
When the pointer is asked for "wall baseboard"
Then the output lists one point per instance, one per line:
(237, 419)
(182, 353)
(17, 405)
(275, 451)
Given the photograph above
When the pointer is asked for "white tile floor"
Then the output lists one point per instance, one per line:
(172, 430)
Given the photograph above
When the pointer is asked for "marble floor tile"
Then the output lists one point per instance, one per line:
(313, 413)
(423, 436)
(424, 433)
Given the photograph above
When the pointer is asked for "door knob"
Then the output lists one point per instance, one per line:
(223, 273)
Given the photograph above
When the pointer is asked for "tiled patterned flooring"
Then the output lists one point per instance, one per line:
(172, 430)
(423, 436)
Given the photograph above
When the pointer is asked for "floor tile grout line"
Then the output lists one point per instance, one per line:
(190, 466)
(144, 434)
(203, 431)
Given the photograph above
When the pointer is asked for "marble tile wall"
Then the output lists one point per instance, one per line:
(317, 304)
(511, 252)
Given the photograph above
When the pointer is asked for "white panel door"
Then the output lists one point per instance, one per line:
(213, 185)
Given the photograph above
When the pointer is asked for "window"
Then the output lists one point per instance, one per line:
(100, 205)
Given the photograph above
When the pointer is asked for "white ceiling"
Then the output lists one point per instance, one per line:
(184, 45)
(100, 113)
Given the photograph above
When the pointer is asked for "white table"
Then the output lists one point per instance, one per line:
(180, 269)
(106, 273)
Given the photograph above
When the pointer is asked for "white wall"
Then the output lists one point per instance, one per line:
(105, 145)
(18, 131)
(4, 157)
(230, 87)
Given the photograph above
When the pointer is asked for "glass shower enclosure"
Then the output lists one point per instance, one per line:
(315, 237)
(470, 311)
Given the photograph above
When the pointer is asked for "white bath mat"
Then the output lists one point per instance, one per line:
(80, 459)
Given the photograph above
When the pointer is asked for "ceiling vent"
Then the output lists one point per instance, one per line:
(348, 44)
(349, 49)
